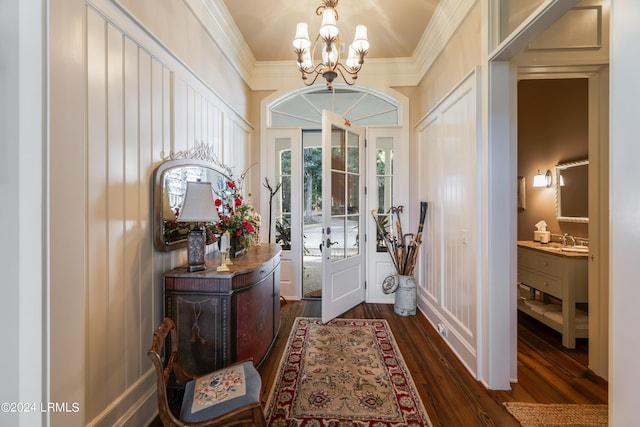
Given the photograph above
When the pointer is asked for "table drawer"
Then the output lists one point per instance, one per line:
(547, 284)
(254, 276)
(547, 264)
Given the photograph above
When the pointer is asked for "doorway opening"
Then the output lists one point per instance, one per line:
(293, 146)
(562, 33)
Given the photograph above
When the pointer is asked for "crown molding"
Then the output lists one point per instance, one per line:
(447, 17)
(223, 31)
(276, 75)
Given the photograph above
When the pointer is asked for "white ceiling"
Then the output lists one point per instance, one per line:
(395, 27)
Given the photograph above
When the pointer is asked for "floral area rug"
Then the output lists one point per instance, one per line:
(344, 373)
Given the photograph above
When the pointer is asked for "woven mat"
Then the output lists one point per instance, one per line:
(551, 415)
(347, 372)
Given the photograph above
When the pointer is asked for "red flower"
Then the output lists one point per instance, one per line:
(218, 202)
(247, 226)
(231, 184)
(238, 202)
(238, 232)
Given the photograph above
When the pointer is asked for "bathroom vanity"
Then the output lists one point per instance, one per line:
(551, 281)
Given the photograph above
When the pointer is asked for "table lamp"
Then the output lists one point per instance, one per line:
(197, 207)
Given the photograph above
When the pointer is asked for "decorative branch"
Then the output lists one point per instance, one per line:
(272, 193)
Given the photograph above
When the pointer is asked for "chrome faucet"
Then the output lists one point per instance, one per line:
(566, 237)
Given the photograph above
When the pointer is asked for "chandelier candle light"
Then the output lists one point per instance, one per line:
(328, 39)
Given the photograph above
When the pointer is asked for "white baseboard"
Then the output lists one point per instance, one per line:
(136, 407)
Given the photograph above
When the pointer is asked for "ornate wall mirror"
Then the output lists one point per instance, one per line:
(572, 191)
(170, 182)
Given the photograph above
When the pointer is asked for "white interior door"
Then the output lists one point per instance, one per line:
(343, 213)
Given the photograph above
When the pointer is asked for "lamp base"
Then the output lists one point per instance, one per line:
(199, 267)
(196, 241)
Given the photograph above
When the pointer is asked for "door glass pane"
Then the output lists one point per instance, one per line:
(338, 202)
(338, 154)
(384, 180)
(353, 194)
(352, 236)
(345, 195)
(282, 199)
(312, 214)
(338, 237)
(353, 155)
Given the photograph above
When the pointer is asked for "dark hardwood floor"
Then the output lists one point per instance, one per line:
(547, 372)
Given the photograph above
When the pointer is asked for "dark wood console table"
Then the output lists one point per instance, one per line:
(222, 317)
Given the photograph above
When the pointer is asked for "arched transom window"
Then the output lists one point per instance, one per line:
(362, 106)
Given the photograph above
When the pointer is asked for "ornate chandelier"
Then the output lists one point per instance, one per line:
(328, 39)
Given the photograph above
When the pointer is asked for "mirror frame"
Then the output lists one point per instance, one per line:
(158, 194)
(559, 168)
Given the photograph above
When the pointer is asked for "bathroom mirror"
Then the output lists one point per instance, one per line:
(170, 183)
(572, 191)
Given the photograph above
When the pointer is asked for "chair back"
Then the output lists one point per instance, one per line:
(163, 373)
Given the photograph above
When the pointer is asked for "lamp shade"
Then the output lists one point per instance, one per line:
(302, 36)
(542, 180)
(352, 61)
(328, 29)
(198, 204)
(360, 41)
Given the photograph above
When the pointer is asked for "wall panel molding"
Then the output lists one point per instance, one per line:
(141, 104)
(448, 279)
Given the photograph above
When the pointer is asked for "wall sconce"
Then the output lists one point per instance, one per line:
(197, 207)
(542, 180)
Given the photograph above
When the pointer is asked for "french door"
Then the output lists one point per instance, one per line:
(343, 214)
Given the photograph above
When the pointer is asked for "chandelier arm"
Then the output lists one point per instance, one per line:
(352, 71)
(342, 70)
(315, 70)
(304, 80)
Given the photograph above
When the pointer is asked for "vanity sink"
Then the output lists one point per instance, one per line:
(582, 249)
(556, 248)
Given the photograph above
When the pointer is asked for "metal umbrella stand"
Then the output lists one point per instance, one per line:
(403, 250)
(405, 303)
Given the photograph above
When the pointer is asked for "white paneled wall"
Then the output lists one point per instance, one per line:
(128, 125)
(141, 105)
(200, 119)
(449, 176)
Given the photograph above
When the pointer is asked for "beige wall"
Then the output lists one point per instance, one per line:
(553, 124)
(258, 172)
(459, 57)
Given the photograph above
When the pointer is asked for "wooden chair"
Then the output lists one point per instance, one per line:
(207, 389)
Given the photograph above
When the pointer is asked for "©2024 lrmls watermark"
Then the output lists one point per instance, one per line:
(52, 407)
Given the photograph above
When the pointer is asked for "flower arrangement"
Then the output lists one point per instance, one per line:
(237, 218)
